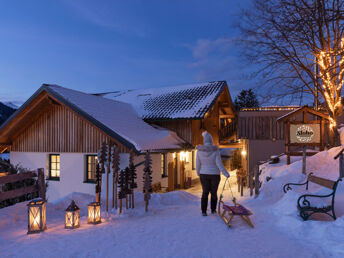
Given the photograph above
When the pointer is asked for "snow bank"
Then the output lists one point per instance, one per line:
(283, 207)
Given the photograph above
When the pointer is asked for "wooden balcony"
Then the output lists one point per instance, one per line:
(228, 130)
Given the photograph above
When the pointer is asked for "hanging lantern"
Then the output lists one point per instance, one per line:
(94, 213)
(72, 216)
(36, 216)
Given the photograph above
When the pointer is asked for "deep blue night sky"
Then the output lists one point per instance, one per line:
(97, 46)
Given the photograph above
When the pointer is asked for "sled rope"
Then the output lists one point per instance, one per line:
(221, 195)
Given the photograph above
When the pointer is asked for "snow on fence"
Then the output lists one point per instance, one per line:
(15, 186)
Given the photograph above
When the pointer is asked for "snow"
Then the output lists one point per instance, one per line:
(191, 101)
(174, 227)
(122, 119)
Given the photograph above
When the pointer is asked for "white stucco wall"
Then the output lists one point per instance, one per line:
(72, 172)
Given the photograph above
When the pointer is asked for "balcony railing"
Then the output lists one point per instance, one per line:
(228, 131)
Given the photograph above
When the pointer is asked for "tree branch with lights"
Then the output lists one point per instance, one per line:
(299, 46)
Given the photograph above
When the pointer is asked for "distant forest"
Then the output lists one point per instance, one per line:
(5, 112)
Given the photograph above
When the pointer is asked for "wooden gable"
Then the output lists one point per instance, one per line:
(191, 129)
(46, 125)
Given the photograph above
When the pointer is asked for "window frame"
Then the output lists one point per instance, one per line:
(87, 179)
(163, 171)
(50, 177)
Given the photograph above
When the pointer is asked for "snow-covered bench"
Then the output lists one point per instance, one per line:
(304, 204)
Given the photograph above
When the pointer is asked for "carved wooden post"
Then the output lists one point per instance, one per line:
(341, 165)
(251, 179)
(107, 174)
(256, 182)
(41, 183)
(115, 171)
(304, 153)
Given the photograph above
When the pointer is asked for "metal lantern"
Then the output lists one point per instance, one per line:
(36, 216)
(94, 213)
(72, 219)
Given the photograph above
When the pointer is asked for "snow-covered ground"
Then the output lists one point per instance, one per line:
(174, 227)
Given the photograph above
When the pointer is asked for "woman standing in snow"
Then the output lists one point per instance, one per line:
(208, 165)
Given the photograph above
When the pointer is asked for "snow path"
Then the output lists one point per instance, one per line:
(165, 231)
(174, 227)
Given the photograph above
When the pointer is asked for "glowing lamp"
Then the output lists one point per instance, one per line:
(184, 156)
(243, 152)
(72, 219)
(36, 216)
(94, 213)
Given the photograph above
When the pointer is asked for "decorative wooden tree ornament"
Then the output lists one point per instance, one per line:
(132, 177)
(147, 180)
(102, 158)
(98, 183)
(115, 169)
(36, 216)
(107, 175)
(126, 188)
(72, 218)
(122, 192)
(94, 213)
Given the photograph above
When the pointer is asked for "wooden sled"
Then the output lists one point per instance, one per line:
(227, 213)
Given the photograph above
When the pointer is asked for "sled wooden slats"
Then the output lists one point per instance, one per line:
(227, 213)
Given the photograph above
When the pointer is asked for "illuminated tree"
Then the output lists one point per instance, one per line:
(299, 47)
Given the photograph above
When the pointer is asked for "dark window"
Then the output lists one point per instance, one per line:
(163, 165)
(91, 161)
(193, 160)
(54, 167)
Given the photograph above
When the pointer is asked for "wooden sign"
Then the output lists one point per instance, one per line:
(305, 133)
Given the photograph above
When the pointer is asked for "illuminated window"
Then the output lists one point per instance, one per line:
(54, 167)
(163, 165)
(91, 161)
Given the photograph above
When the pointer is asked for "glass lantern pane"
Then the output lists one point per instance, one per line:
(34, 218)
(90, 214)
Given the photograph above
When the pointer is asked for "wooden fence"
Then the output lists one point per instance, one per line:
(38, 186)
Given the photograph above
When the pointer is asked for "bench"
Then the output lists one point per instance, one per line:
(304, 203)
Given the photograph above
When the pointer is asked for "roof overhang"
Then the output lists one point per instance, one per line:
(300, 110)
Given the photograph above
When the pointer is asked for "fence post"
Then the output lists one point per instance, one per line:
(251, 174)
(41, 183)
(242, 186)
(256, 182)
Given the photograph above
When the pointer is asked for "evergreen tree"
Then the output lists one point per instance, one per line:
(246, 98)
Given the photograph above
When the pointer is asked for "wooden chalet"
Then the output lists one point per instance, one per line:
(187, 110)
(61, 130)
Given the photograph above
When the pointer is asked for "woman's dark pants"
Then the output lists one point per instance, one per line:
(210, 183)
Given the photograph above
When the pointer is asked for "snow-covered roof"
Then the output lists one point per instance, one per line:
(120, 118)
(117, 119)
(176, 102)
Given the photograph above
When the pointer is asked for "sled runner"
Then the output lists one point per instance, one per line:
(227, 212)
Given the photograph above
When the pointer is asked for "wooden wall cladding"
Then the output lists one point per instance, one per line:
(59, 129)
(260, 128)
(182, 127)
